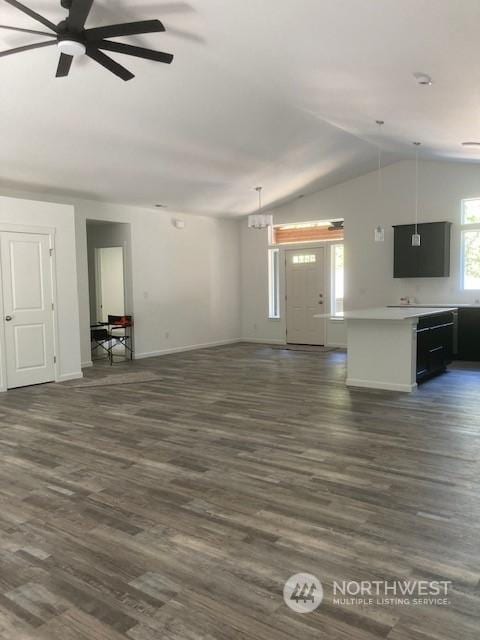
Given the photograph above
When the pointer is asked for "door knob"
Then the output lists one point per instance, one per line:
(8, 318)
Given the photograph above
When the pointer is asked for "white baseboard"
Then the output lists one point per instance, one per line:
(336, 345)
(377, 384)
(87, 364)
(262, 341)
(69, 376)
(190, 347)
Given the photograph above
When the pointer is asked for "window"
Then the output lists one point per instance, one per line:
(471, 211)
(301, 232)
(337, 279)
(302, 259)
(273, 283)
(471, 243)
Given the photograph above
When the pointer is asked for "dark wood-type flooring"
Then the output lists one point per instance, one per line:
(176, 508)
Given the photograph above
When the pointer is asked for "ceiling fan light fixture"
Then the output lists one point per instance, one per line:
(71, 47)
(73, 39)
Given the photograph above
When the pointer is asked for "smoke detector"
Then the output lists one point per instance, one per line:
(423, 79)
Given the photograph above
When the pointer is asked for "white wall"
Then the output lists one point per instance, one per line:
(61, 218)
(185, 282)
(368, 265)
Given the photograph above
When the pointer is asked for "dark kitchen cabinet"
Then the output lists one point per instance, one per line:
(469, 334)
(405, 259)
(434, 344)
(431, 259)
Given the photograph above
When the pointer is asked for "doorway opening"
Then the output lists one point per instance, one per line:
(109, 282)
(110, 289)
(305, 281)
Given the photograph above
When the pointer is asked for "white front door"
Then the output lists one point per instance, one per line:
(28, 308)
(305, 282)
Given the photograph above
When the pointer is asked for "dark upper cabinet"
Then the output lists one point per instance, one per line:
(431, 259)
(405, 257)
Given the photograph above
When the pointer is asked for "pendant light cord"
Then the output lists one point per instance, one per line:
(259, 191)
(416, 190)
(417, 145)
(379, 173)
(380, 123)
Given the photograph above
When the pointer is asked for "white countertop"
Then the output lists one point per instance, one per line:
(461, 305)
(392, 313)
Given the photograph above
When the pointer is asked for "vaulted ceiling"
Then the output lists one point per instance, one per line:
(281, 93)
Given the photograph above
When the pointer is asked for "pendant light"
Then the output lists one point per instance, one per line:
(260, 220)
(416, 239)
(379, 230)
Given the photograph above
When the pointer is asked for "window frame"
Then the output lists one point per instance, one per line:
(333, 294)
(466, 227)
(274, 283)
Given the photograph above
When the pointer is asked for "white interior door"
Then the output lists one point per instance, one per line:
(305, 282)
(110, 283)
(28, 308)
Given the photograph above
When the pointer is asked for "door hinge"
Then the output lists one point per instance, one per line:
(51, 252)
(54, 359)
(53, 306)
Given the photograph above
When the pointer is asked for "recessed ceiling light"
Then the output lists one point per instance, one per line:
(423, 79)
(470, 144)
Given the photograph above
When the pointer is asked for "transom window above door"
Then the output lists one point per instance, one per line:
(301, 232)
(304, 259)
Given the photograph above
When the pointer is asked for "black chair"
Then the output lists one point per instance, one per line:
(120, 333)
(99, 338)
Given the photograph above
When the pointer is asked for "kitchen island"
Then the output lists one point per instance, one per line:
(393, 347)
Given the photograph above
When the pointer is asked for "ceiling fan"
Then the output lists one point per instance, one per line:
(72, 39)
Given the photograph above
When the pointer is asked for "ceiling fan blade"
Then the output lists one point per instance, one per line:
(27, 47)
(37, 33)
(33, 14)
(139, 52)
(64, 64)
(109, 64)
(78, 14)
(126, 29)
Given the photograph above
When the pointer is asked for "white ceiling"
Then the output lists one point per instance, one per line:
(282, 93)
